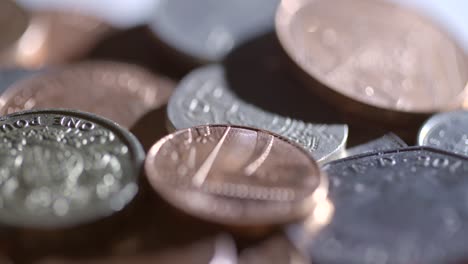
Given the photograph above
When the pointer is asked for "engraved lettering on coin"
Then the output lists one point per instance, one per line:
(401, 206)
(389, 141)
(203, 97)
(118, 91)
(234, 175)
(375, 53)
(61, 168)
(446, 131)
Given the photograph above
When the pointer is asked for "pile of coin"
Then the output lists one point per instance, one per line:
(231, 132)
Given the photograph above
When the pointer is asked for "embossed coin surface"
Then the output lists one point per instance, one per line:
(204, 97)
(206, 30)
(402, 206)
(62, 168)
(388, 141)
(235, 175)
(13, 23)
(120, 92)
(446, 131)
(375, 53)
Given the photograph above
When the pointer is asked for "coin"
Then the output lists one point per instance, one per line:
(204, 97)
(13, 23)
(206, 30)
(398, 206)
(63, 168)
(446, 131)
(388, 141)
(235, 176)
(10, 76)
(277, 249)
(376, 59)
(118, 91)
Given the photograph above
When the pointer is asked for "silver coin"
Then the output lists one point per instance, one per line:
(10, 76)
(204, 97)
(206, 30)
(388, 141)
(448, 131)
(61, 168)
(401, 206)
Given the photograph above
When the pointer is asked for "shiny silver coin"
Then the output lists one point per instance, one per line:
(401, 206)
(388, 141)
(11, 76)
(204, 97)
(61, 168)
(206, 30)
(446, 131)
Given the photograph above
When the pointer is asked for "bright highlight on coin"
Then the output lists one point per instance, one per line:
(118, 91)
(447, 131)
(204, 97)
(63, 168)
(235, 175)
(374, 55)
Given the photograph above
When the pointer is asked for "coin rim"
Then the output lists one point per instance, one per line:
(432, 122)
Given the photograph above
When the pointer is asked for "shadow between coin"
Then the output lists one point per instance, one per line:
(151, 127)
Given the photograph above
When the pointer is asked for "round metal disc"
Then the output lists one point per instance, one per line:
(235, 175)
(13, 23)
(8, 77)
(62, 168)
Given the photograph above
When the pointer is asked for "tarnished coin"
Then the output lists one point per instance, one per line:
(62, 168)
(206, 30)
(375, 58)
(13, 23)
(401, 206)
(388, 141)
(446, 131)
(204, 97)
(120, 92)
(235, 176)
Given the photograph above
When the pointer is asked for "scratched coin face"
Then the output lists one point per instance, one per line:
(206, 30)
(401, 206)
(234, 175)
(120, 92)
(205, 97)
(446, 131)
(63, 168)
(13, 23)
(375, 53)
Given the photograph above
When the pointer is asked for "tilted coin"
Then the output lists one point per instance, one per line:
(118, 91)
(235, 176)
(62, 168)
(13, 23)
(388, 141)
(400, 206)
(375, 58)
(204, 97)
(446, 131)
(206, 30)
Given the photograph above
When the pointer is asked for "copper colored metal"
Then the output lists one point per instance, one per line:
(374, 57)
(118, 91)
(13, 23)
(235, 176)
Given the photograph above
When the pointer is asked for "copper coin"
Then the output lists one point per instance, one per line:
(235, 176)
(374, 54)
(118, 91)
(13, 23)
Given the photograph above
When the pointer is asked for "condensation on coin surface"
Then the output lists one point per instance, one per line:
(206, 30)
(118, 91)
(375, 53)
(235, 175)
(388, 141)
(448, 131)
(13, 23)
(204, 97)
(401, 206)
(63, 168)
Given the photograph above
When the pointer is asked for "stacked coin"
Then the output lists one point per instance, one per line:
(272, 132)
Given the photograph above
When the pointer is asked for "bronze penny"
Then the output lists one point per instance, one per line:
(118, 91)
(235, 176)
(13, 23)
(374, 54)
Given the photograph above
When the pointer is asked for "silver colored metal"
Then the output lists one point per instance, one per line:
(400, 206)
(61, 168)
(388, 141)
(206, 30)
(448, 131)
(204, 97)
